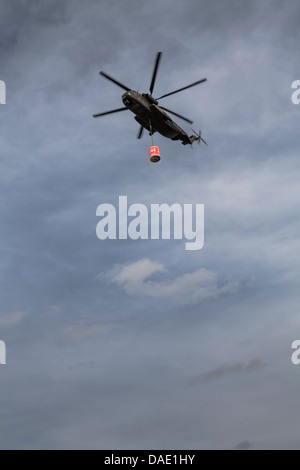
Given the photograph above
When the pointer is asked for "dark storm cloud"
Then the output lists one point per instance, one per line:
(90, 366)
(224, 370)
(244, 445)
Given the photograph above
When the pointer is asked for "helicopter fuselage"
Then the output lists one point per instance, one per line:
(152, 117)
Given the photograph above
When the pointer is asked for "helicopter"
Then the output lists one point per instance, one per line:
(149, 114)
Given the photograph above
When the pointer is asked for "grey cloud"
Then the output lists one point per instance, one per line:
(81, 332)
(224, 370)
(244, 445)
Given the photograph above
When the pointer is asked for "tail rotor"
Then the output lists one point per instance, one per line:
(199, 138)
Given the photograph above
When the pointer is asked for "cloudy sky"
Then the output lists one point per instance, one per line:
(121, 344)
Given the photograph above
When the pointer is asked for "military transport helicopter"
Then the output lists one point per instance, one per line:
(149, 114)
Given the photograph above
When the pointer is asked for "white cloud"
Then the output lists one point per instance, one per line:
(188, 288)
(12, 318)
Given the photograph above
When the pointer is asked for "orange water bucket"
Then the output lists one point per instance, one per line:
(154, 154)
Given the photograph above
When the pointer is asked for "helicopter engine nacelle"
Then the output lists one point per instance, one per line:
(150, 98)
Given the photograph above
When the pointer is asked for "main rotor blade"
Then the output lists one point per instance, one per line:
(114, 81)
(181, 89)
(204, 141)
(109, 112)
(158, 56)
(178, 115)
(140, 133)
